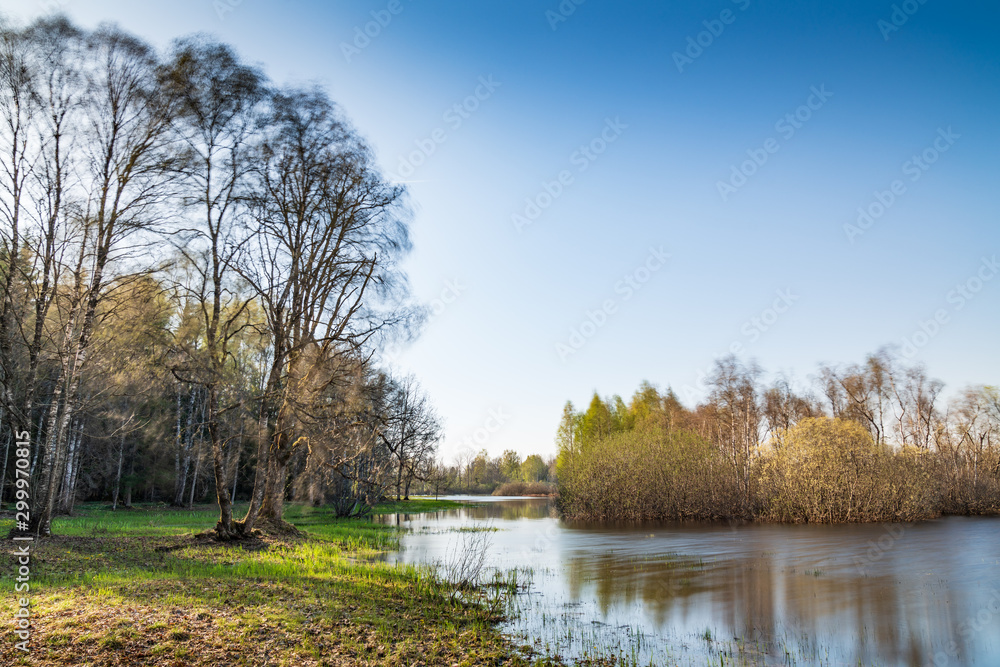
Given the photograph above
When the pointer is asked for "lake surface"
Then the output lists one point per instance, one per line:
(696, 593)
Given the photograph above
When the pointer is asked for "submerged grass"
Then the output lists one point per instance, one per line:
(138, 588)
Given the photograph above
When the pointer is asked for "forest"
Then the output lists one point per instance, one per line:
(869, 442)
(198, 268)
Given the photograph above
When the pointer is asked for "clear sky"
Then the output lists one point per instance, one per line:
(738, 137)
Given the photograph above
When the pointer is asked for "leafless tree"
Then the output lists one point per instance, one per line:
(331, 230)
(217, 103)
(735, 401)
(782, 408)
(124, 177)
(410, 432)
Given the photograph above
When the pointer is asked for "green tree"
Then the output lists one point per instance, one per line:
(510, 465)
(568, 435)
(534, 469)
(645, 405)
(598, 421)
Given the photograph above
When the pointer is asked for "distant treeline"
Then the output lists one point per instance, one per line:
(874, 444)
(479, 473)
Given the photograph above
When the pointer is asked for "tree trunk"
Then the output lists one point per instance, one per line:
(181, 481)
(399, 478)
(72, 465)
(178, 443)
(6, 456)
(197, 468)
(118, 474)
(234, 472)
(131, 472)
(76, 476)
(39, 443)
(224, 528)
(246, 525)
(266, 432)
(282, 446)
(273, 509)
(41, 517)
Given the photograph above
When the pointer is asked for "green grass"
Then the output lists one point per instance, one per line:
(136, 587)
(96, 519)
(417, 505)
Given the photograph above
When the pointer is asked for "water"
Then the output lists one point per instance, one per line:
(696, 593)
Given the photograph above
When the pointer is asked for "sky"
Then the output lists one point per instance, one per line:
(605, 193)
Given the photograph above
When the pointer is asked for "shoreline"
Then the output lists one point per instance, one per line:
(139, 588)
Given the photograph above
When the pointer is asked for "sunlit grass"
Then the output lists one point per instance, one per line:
(97, 519)
(140, 583)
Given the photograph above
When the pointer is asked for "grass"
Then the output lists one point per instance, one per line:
(416, 506)
(137, 587)
(95, 519)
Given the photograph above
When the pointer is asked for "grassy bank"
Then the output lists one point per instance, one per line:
(136, 587)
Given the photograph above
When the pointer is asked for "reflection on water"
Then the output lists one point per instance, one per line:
(914, 595)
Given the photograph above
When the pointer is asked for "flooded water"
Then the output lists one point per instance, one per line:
(695, 593)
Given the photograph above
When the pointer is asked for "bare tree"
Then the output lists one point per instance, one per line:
(734, 398)
(916, 395)
(18, 104)
(782, 408)
(124, 180)
(410, 432)
(331, 232)
(217, 101)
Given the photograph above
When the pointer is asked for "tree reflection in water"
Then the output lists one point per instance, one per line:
(813, 594)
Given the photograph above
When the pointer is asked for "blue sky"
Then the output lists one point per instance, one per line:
(924, 83)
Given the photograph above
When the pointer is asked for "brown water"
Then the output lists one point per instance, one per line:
(696, 593)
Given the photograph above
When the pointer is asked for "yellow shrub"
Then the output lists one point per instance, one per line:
(830, 470)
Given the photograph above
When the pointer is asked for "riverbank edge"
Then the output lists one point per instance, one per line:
(116, 596)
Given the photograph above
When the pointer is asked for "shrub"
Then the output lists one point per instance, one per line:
(831, 471)
(525, 489)
(647, 474)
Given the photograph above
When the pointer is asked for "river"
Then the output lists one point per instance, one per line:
(770, 594)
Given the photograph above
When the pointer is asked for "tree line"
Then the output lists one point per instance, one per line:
(198, 268)
(507, 474)
(866, 442)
